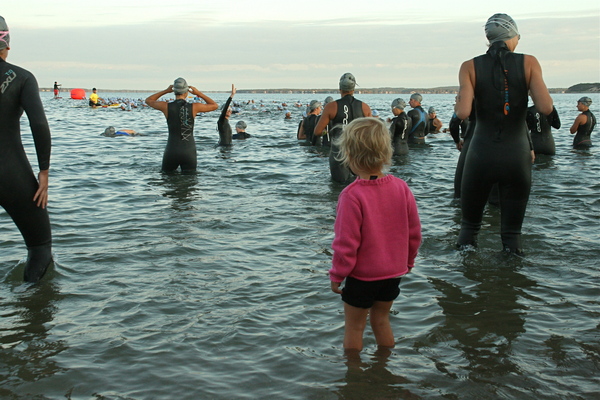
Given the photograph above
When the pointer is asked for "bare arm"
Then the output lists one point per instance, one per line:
(466, 91)
(366, 110)
(537, 87)
(210, 105)
(328, 114)
(153, 101)
(580, 120)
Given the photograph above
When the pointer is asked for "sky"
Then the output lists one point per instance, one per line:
(303, 44)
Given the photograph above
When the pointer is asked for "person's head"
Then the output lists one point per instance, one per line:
(328, 100)
(365, 145)
(288, 115)
(94, 90)
(398, 106)
(502, 28)
(431, 112)
(584, 103)
(180, 87)
(110, 131)
(347, 83)
(4, 38)
(314, 107)
(415, 100)
(241, 126)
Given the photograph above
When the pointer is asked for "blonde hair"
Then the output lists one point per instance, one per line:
(365, 144)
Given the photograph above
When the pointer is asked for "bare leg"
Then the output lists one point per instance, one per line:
(355, 323)
(380, 323)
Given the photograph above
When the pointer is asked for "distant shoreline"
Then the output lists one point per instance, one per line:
(579, 88)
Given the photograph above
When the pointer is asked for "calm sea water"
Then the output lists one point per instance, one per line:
(215, 286)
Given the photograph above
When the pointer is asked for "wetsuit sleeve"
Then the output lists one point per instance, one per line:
(347, 238)
(530, 120)
(223, 112)
(32, 104)
(454, 126)
(554, 119)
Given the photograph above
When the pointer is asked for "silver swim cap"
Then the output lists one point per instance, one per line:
(417, 97)
(586, 101)
(328, 99)
(399, 104)
(347, 82)
(314, 104)
(110, 131)
(180, 86)
(241, 125)
(431, 110)
(500, 27)
(4, 36)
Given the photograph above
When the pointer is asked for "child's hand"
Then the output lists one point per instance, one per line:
(335, 287)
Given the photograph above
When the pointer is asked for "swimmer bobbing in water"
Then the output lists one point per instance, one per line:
(181, 148)
(499, 150)
(22, 195)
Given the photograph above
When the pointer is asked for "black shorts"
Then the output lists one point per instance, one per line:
(363, 294)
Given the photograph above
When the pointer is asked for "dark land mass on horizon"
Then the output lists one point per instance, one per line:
(578, 88)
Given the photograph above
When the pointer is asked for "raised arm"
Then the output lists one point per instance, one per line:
(153, 101)
(209, 105)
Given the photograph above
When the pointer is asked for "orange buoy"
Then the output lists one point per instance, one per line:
(78, 94)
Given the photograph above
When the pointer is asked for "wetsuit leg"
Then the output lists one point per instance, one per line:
(33, 222)
(514, 195)
(183, 155)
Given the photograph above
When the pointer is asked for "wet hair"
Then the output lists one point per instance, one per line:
(365, 144)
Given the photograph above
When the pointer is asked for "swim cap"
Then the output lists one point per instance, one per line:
(4, 36)
(417, 97)
(500, 27)
(314, 104)
(431, 110)
(110, 131)
(347, 82)
(328, 99)
(180, 86)
(375, 113)
(586, 101)
(399, 104)
(241, 125)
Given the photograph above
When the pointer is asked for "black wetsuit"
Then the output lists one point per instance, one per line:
(309, 128)
(399, 129)
(348, 109)
(540, 128)
(419, 121)
(241, 136)
(223, 126)
(499, 151)
(461, 128)
(181, 147)
(582, 139)
(19, 91)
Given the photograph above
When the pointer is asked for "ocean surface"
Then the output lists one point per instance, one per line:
(215, 285)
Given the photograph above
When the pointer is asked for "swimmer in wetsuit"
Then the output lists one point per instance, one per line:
(22, 195)
(181, 147)
(225, 133)
(240, 129)
(338, 114)
(434, 125)
(418, 116)
(400, 127)
(584, 125)
(499, 150)
(540, 129)
(307, 126)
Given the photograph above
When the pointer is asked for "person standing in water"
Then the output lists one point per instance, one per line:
(499, 150)
(225, 133)
(22, 195)
(338, 114)
(540, 129)
(584, 125)
(418, 117)
(377, 233)
(181, 147)
(307, 126)
(400, 127)
(240, 131)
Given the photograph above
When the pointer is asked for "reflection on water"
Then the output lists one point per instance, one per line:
(27, 314)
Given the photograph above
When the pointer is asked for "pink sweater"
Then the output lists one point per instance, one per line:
(377, 230)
